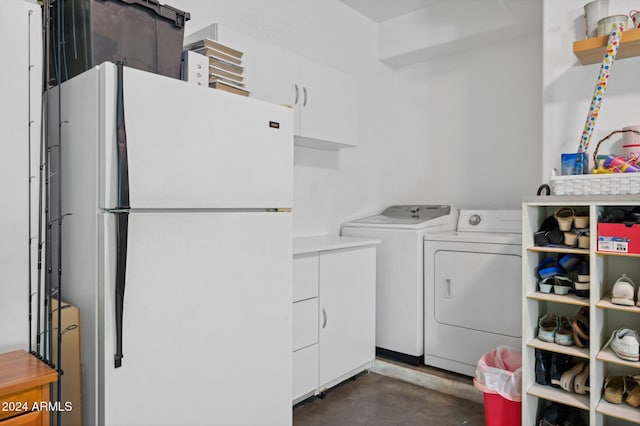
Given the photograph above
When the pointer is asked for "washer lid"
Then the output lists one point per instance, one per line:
(406, 215)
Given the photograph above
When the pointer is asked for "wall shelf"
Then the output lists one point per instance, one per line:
(591, 50)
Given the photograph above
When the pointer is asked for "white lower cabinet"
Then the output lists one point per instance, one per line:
(333, 311)
(601, 268)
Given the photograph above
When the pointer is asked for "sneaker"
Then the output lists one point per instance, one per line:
(625, 344)
(623, 291)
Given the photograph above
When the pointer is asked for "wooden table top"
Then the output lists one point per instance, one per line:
(19, 370)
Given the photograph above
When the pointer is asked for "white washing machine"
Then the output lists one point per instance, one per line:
(399, 273)
(472, 296)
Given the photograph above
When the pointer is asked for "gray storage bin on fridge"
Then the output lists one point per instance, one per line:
(142, 34)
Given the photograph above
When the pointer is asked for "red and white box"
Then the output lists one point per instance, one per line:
(619, 237)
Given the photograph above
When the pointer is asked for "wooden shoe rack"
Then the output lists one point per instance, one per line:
(605, 317)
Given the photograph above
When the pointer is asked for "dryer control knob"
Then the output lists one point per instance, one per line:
(475, 219)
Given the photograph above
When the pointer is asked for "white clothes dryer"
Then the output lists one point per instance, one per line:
(399, 273)
(472, 296)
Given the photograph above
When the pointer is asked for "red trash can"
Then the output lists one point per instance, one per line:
(499, 377)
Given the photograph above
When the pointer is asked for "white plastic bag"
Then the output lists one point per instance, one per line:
(500, 371)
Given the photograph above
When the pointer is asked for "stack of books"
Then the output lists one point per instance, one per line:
(225, 65)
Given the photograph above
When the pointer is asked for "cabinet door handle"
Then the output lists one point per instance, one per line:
(295, 102)
(304, 91)
(324, 318)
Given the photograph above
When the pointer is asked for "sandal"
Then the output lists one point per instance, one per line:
(548, 325)
(581, 220)
(633, 391)
(567, 380)
(565, 216)
(580, 383)
(581, 328)
(614, 389)
(564, 334)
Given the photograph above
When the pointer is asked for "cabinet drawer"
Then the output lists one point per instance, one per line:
(305, 276)
(305, 323)
(305, 371)
(19, 402)
(34, 418)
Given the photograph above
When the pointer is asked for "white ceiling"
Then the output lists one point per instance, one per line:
(382, 10)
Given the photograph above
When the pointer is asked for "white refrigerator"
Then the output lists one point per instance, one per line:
(176, 246)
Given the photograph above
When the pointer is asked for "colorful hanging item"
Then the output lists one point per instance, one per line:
(601, 85)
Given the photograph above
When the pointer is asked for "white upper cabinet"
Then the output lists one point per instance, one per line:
(327, 106)
(325, 99)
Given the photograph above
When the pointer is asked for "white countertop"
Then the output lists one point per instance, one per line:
(303, 245)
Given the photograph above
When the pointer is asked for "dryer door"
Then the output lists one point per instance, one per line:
(478, 290)
(472, 302)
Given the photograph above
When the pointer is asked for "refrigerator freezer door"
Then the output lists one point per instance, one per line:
(193, 147)
(207, 320)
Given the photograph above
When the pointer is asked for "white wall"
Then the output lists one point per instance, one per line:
(15, 164)
(462, 129)
(469, 124)
(568, 86)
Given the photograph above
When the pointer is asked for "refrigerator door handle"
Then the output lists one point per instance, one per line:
(121, 134)
(122, 231)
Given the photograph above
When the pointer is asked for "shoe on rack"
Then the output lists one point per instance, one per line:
(547, 327)
(633, 391)
(583, 271)
(573, 418)
(581, 328)
(568, 377)
(560, 364)
(546, 284)
(564, 333)
(569, 261)
(625, 344)
(623, 291)
(614, 389)
(581, 381)
(565, 216)
(549, 268)
(581, 220)
(554, 415)
(543, 367)
(562, 284)
(581, 288)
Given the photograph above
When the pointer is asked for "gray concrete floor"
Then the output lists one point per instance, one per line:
(373, 399)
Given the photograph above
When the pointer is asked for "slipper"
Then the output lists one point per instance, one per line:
(549, 268)
(633, 391)
(580, 383)
(565, 216)
(614, 388)
(567, 379)
(581, 327)
(546, 284)
(562, 284)
(569, 261)
(564, 334)
(548, 325)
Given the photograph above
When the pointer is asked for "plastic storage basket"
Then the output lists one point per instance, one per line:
(597, 184)
(142, 34)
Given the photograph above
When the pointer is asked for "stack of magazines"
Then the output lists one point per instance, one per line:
(225, 65)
